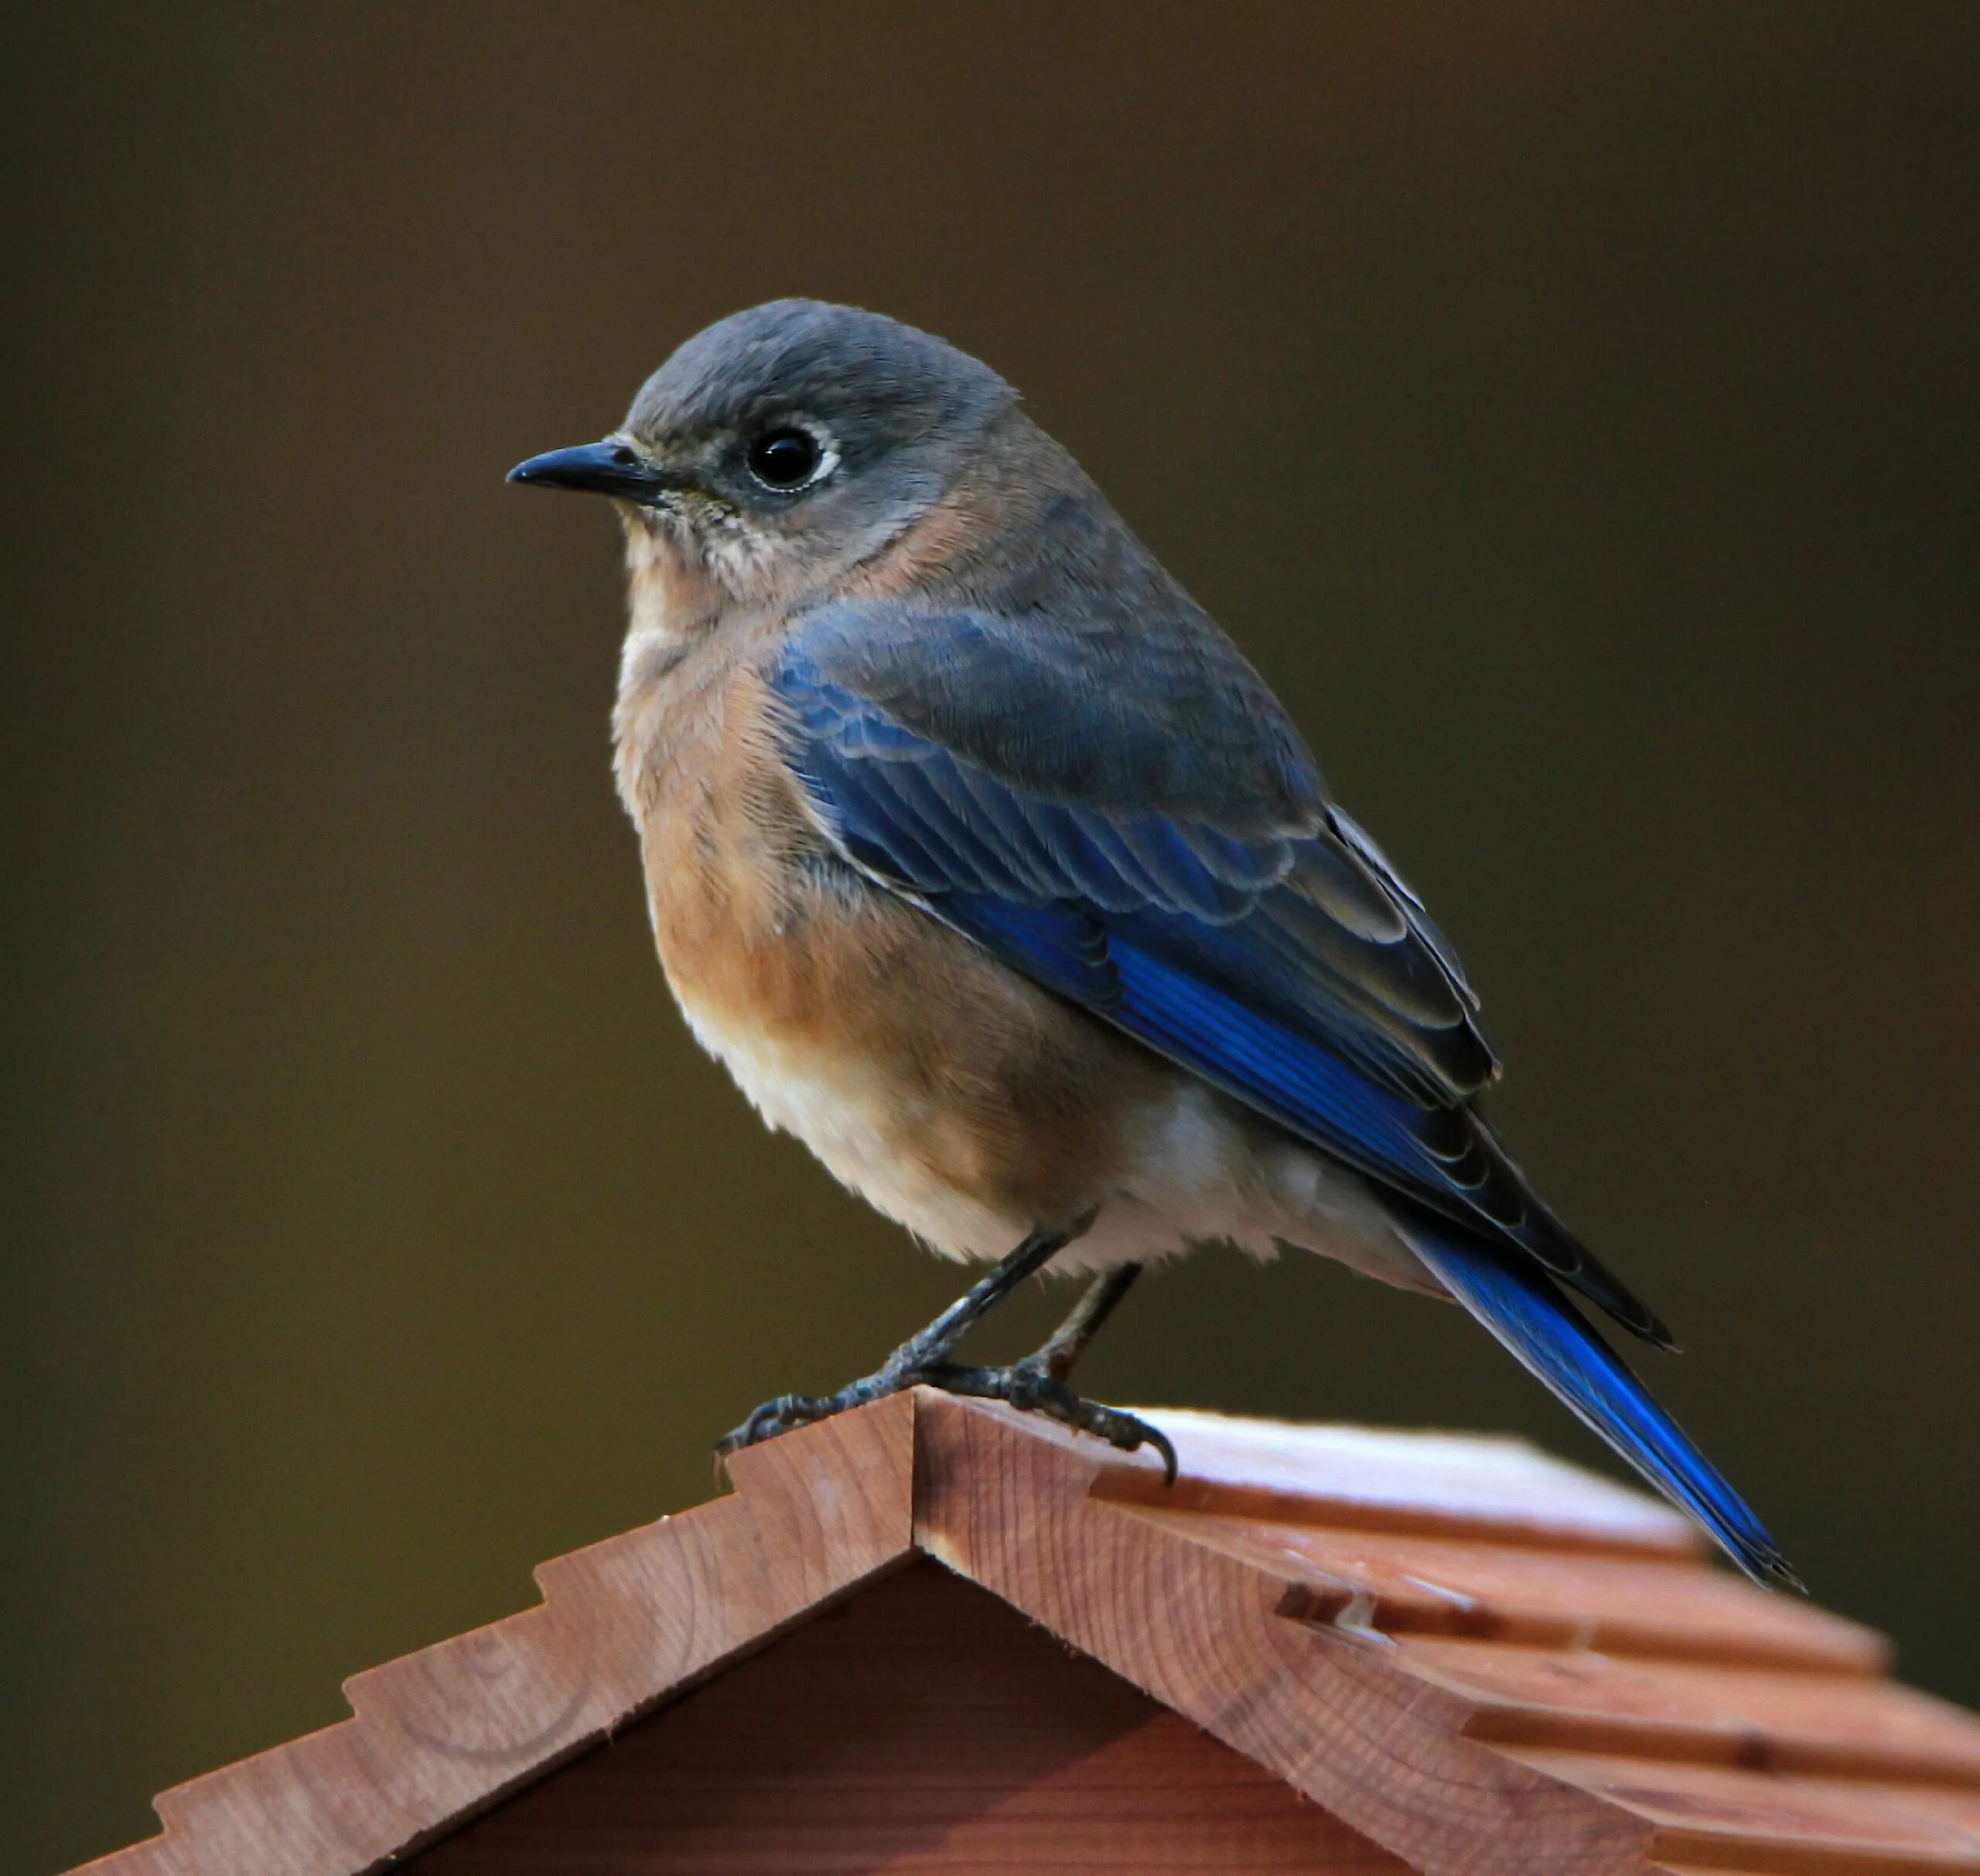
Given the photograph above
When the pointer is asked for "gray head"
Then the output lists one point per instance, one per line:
(787, 443)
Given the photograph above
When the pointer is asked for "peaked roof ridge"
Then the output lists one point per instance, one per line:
(439, 1735)
(1438, 1638)
(1387, 1676)
(1486, 1488)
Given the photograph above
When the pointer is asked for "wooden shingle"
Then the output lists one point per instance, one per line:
(1461, 1654)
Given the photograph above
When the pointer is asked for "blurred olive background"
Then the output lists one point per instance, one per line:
(1572, 409)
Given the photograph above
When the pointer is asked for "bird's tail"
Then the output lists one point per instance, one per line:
(1523, 1309)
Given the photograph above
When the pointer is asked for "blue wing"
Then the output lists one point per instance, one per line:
(1060, 808)
(1290, 967)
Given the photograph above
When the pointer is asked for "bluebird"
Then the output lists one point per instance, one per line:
(994, 872)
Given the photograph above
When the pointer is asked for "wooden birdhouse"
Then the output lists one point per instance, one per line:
(934, 1635)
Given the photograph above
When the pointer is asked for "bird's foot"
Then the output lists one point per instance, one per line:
(1029, 1385)
(1032, 1387)
(789, 1411)
(918, 1358)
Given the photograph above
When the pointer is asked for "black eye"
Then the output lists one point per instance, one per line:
(786, 458)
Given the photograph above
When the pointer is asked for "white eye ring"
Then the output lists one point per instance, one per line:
(788, 458)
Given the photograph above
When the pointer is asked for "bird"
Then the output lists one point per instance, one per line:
(993, 872)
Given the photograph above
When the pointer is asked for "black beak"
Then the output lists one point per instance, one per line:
(596, 469)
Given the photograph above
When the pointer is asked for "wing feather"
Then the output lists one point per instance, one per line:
(1276, 953)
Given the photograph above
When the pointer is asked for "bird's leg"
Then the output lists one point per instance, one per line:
(1037, 1384)
(1068, 1340)
(926, 1349)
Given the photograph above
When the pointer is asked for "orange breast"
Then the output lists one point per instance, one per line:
(901, 1051)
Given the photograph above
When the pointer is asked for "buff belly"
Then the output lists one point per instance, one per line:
(950, 1092)
(1174, 1162)
(849, 1116)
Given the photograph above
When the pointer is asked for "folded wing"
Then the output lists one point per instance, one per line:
(1198, 891)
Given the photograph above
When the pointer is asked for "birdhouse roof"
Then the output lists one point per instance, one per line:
(1476, 1656)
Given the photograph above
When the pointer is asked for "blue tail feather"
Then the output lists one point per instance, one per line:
(1521, 1306)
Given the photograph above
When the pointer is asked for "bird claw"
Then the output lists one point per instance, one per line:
(1032, 1387)
(773, 1417)
(788, 1412)
(1029, 1385)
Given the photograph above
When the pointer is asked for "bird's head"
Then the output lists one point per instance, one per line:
(782, 448)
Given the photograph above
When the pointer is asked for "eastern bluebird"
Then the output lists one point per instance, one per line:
(994, 873)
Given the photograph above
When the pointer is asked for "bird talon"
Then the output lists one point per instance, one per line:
(1030, 1387)
(1126, 1433)
(1166, 1451)
(782, 1415)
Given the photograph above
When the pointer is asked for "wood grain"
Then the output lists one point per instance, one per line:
(1433, 1584)
(440, 1735)
(1198, 1628)
(1323, 1643)
(1729, 1818)
(1786, 1720)
(1373, 1478)
(923, 1727)
(1471, 1660)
